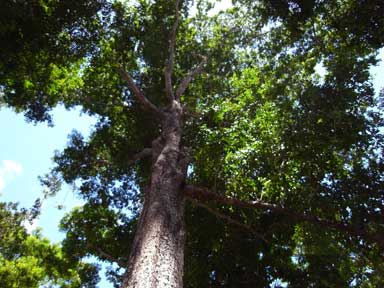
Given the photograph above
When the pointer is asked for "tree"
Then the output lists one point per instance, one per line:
(32, 261)
(283, 168)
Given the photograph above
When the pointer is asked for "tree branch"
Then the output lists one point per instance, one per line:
(146, 152)
(187, 79)
(143, 100)
(228, 219)
(107, 256)
(171, 55)
(204, 195)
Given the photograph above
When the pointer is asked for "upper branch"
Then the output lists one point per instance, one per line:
(171, 55)
(137, 92)
(187, 79)
(203, 194)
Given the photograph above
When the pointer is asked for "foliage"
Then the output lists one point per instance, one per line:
(262, 124)
(42, 42)
(32, 261)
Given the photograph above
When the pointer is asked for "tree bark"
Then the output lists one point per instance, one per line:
(157, 254)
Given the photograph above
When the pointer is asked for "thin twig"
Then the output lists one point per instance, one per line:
(228, 219)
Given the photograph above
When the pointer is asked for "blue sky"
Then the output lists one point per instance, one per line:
(26, 152)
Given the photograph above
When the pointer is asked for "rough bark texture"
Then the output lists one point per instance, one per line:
(157, 256)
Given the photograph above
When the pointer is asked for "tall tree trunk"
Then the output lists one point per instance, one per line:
(157, 255)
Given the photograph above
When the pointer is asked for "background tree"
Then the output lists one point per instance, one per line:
(283, 167)
(32, 261)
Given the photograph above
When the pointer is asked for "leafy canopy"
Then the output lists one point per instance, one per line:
(262, 124)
